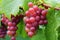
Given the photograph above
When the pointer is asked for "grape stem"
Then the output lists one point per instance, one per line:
(56, 8)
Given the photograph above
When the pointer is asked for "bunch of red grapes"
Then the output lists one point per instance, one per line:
(34, 17)
(12, 24)
(3, 30)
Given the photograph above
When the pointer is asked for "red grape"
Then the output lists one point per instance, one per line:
(27, 29)
(27, 20)
(27, 13)
(13, 38)
(31, 10)
(41, 22)
(11, 33)
(32, 29)
(45, 21)
(35, 7)
(32, 19)
(42, 17)
(30, 34)
(9, 23)
(28, 25)
(30, 4)
(37, 18)
(44, 12)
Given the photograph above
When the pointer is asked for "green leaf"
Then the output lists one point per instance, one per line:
(41, 1)
(21, 38)
(25, 5)
(21, 29)
(24, 34)
(0, 6)
(11, 7)
(58, 19)
(53, 3)
(58, 33)
(18, 37)
(40, 35)
(53, 23)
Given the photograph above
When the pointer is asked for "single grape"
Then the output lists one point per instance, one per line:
(27, 13)
(24, 19)
(32, 19)
(30, 4)
(38, 12)
(9, 23)
(31, 10)
(44, 12)
(45, 21)
(33, 15)
(35, 24)
(32, 29)
(41, 22)
(42, 17)
(11, 33)
(35, 7)
(3, 20)
(28, 25)
(30, 34)
(27, 29)
(37, 18)
(27, 20)
(13, 38)
(14, 24)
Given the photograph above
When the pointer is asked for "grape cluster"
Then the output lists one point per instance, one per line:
(34, 17)
(3, 31)
(12, 24)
